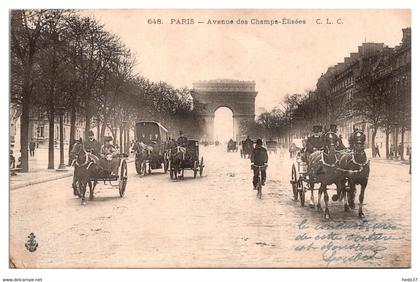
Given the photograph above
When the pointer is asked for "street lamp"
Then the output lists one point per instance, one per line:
(62, 166)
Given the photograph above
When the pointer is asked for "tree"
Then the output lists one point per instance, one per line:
(26, 30)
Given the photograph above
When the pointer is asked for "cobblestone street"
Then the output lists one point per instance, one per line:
(212, 221)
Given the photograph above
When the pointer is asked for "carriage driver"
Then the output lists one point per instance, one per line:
(91, 145)
(315, 142)
(259, 157)
(109, 157)
(183, 143)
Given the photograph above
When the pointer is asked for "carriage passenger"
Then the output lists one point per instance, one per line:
(109, 157)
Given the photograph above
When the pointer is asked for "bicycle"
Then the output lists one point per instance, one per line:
(259, 183)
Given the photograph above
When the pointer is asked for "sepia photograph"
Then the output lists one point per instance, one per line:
(209, 138)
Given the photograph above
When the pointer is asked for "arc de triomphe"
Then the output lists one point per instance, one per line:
(238, 96)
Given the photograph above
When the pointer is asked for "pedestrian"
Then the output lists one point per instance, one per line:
(32, 146)
(377, 150)
(12, 160)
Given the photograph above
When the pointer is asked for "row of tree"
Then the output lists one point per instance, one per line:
(381, 98)
(60, 59)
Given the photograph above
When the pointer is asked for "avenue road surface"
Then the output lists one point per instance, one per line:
(212, 221)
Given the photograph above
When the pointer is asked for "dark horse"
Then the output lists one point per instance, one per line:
(355, 166)
(84, 171)
(322, 169)
(176, 157)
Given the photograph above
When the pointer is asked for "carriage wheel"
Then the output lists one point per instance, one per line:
(123, 178)
(195, 168)
(201, 166)
(301, 191)
(294, 182)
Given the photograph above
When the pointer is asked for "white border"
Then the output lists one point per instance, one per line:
(205, 275)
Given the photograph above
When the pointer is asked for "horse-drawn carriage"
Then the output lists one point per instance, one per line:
(232, 146)
(345, 169)
(88, 172)
(272, 146)
(151, 147)
(186, 158)
(246, 148)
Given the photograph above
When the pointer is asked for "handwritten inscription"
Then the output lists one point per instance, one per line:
(345, 242)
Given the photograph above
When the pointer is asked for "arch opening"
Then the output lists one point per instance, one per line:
(223, 125)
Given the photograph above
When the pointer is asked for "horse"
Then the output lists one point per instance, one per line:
(322, 169)
(176, 157)
(355, 166)
(84, 170)
(143, 153)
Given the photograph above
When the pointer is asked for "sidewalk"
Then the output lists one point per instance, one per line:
(38, 172)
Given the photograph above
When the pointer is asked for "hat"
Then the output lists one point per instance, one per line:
(91, 133)
(317, 128)
(108, 138)
(259, 142)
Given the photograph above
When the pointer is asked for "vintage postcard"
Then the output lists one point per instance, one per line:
(210, 138)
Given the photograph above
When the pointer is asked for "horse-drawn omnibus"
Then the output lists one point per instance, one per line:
(150, 147)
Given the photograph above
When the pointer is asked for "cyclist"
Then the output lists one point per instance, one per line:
(259, 157)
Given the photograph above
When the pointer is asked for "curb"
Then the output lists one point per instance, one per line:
(47, 179)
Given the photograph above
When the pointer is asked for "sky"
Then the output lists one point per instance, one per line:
(281, 59)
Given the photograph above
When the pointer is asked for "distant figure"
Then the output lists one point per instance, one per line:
(12, 160)
(377, 151)
(32, 147)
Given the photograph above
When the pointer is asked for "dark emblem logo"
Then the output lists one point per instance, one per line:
(31, 245)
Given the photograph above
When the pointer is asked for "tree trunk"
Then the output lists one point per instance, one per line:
(375, 130)
(51, 137)
(24, 133)
(387, 132)
(72, 129)
(121, 138)
(397, 129)
(402, 142)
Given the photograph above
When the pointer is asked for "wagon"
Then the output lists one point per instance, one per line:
(119, 180)
(150, 148)
(232, 146)
(192, 161)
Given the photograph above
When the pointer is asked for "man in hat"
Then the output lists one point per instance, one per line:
(109, 156)
(183, 143)
(182, 140)
(91, 145)
(259, 157)
(315, 142)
